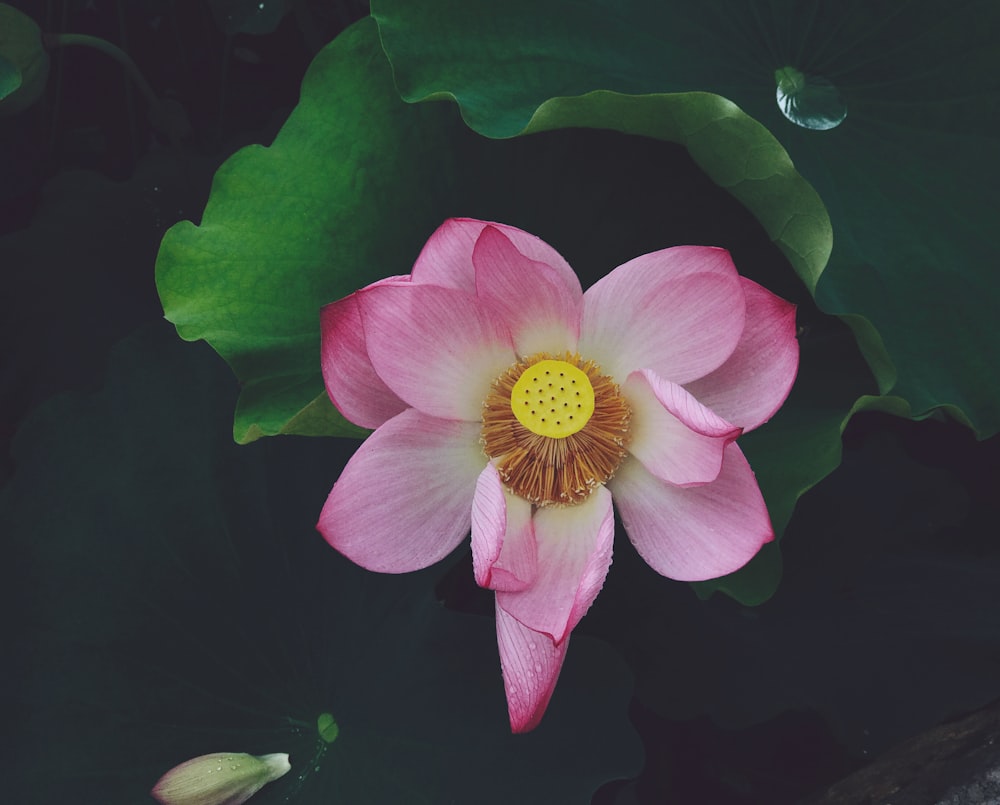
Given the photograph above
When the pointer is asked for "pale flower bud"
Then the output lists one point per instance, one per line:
(221, 778)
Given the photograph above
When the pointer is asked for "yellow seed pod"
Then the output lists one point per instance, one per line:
(553, 398)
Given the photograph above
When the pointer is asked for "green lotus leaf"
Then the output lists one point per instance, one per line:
(735, 151)
(331, 205)
(10, 78)
(890, 112)
(175, 600)
(24, 62)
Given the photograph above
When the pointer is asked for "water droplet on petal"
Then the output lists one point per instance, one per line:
(809, 101)
(538, 667)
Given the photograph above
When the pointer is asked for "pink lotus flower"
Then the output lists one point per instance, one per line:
(507, 401)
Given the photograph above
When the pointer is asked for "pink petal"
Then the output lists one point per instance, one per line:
(437, 348)
(530, 663)
(504, 556)
(698, 533)
(489, 523)
(574, 554)
(753, 383)
(446, 259)
(404, 500)
(679, 312)
(541, 313)
(354, 387)
(676, 437)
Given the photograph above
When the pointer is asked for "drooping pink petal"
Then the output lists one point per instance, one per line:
(676, 437)
(446, 259)
(541, 313)
(354, 387)
(504, 556)
(574, 554)
(404, 500)
(437, 348)
(753, 383)
(696, 533)
(660, 312)
(530, 663)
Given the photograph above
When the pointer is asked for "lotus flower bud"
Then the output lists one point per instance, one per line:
(221, 778)
(24, 62)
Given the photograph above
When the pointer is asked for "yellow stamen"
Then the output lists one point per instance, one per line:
(553, 398)
(560, 460)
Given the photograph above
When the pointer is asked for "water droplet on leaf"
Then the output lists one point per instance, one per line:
(809, 101)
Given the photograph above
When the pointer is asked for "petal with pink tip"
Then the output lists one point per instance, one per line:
(404, 500)
(438, 349)
(676, 437)
(541, 314)
(531, 663)
(446, 259)
(753, 383)
(678, 311)
(503, 539)
(354, 387)
(697, 533)
(574, 554)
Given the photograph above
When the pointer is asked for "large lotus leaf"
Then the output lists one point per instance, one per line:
(330, 206)
(909, 175)
(251, 281)
(174, 599)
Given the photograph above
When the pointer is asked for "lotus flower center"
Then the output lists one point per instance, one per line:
(555, 428)
(553, 398)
